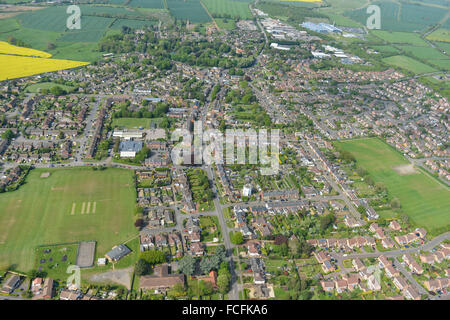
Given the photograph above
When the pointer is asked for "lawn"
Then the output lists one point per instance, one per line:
(423, 199)
(131, 123)
(227, 24)
(54, 260)
(37, 87)
(71, 205)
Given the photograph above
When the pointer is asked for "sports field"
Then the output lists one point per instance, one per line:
(131, 123)
(73, 204)
(37, 87)
(423, 199)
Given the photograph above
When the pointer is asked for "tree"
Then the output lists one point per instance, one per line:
(361, 209)
(221, 252)
(223, 283)
(380, 187)
(153, 256)
(280, 239)
(8, 134)
(177, 290)
(326, 221)
(57, 91)
(142, 267)
(206, 265)
(237, 238)
(139, 223)
(187, 265)
(404, 218)
(395, 203)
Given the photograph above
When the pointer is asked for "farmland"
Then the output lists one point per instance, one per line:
(191, 10)
(149, 4)
(69, 206)
(6, 48)
(20, 66)
(228, 8)
(400, 37)
(440, 35)
(409, 64)
(38, 29)
(403, 16)
(119, 23)
(425, 53)
(423, 199)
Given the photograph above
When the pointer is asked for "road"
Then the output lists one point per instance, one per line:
(409, 277)
(393, 253)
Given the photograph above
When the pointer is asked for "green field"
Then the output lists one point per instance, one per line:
(425, 200)
(400, 37)
(440, 35)
(228, 24)
(37, 87)
(131, 123)
(49, 210)
(409, 64)
(135, 24)
(402, 16)
(38, 29)
(385, 49)
(150, 4)
(234, 9)
(441, 64)
(425, 53)
(191, 10)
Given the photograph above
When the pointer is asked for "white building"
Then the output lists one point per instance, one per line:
(247, 190)
(127, 134)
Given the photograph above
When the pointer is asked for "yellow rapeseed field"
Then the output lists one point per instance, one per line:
(7, 48)
(20, 66)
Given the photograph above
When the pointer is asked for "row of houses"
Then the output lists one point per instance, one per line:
(411, 237)
(98, 131)
(400, 283)
(149, 241)
(183, 186)
(343, 243)
(438, 256)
